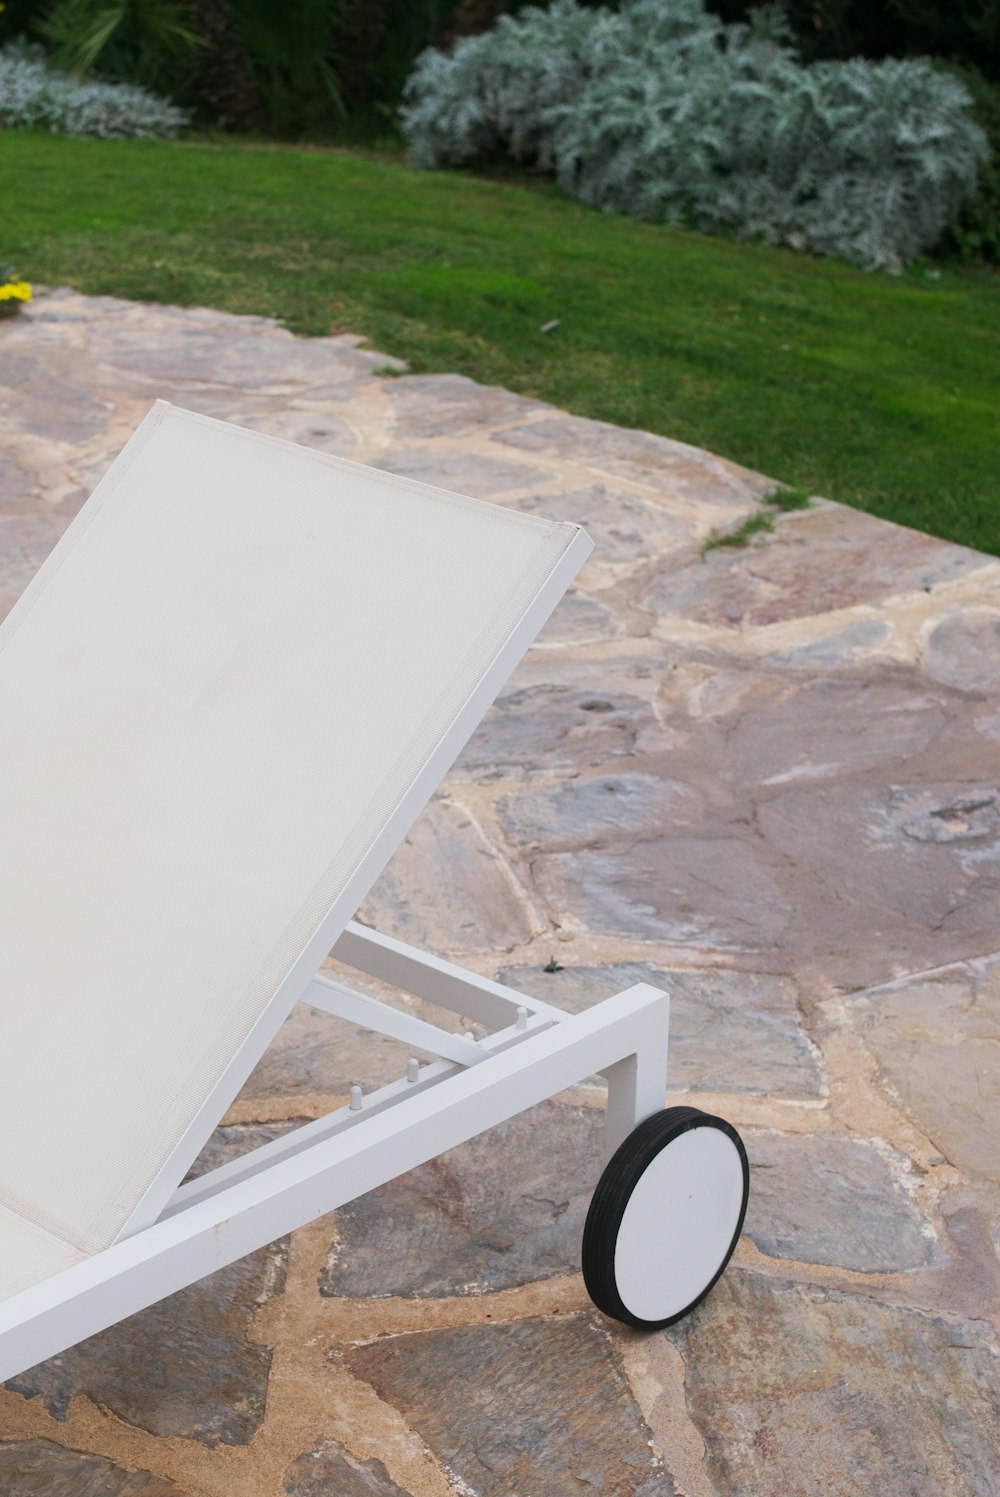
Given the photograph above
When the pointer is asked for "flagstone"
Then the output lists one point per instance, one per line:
(625, 528)
(329, 1470)
(436, 405)
(15, 484)
(817, 561)
(730, 1031)
(805, 1389)
(609, 805)
(936, 1037)
(538, 1407)
(672, 469)
(39, 400)
(504, 1209)
(472, 903)
(835, 1200)
(481, 477)
(559, 724)
(716, 892)
(964, 649)
(31, 1467)
(580, 620)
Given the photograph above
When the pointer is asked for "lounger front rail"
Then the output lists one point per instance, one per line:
(532, 1051)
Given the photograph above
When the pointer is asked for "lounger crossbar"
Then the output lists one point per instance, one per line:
(224, 700)
(476, 999)
(631, 1098)
(357, 1008)
(518, 1016)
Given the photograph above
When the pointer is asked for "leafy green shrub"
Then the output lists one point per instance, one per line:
(18, 16)
(223, 90)
(148, 42)
(313, 68)
(375, 46)
(662, 111)
(505, 90)
(290, 50)
(963, 31)
(32, 94)
(976, 235)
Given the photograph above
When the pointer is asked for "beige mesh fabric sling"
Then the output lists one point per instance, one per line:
(224, 699)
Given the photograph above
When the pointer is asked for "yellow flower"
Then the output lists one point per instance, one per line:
(15, 291)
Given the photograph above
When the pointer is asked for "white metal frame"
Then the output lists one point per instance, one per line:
(179, 1233)
(531, 1051)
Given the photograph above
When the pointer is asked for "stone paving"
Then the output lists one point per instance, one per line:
(765, 778)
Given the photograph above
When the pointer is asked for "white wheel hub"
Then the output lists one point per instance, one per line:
(679, 1223)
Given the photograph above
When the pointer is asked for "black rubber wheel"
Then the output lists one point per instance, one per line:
(666, 1215)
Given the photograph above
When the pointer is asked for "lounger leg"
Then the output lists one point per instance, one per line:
(669, 1208)
(637, 1084)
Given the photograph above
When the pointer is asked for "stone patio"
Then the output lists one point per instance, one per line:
(765, 778)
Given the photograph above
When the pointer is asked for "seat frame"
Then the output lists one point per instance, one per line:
(530, 1052)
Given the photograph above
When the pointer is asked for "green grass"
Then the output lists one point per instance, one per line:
(883, 392)
(751, 526)
(788, 496)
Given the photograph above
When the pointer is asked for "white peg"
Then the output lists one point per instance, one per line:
(413, 1069)
(356, 1099)
(522, 1018)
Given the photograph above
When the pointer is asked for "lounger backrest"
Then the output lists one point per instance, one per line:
(214, 699)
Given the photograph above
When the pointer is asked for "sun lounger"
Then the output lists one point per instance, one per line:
(224, 700)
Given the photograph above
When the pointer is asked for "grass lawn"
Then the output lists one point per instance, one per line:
(883, 392)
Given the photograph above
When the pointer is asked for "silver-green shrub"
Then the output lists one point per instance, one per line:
(661, 111)
(32, 94)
